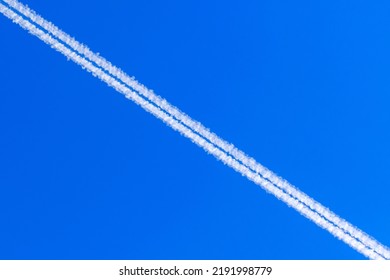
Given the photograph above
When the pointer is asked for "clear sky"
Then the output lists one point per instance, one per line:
(301, 86)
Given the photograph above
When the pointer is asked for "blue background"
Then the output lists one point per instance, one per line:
(301, 86)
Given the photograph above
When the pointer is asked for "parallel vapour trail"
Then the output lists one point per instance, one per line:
(200, 129)
(213, 149)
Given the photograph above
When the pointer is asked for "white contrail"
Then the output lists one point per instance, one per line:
(232, 162)
(201, 130)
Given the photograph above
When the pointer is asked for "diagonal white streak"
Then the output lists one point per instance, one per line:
(201, 130)
(222, 150)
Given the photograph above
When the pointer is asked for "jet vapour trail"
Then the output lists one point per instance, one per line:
(200, 129)
(212, 149)
(185, 131)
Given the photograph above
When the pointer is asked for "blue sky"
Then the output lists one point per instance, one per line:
(300, 86)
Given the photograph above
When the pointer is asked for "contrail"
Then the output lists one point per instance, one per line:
(235, 159)
(200, 129)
